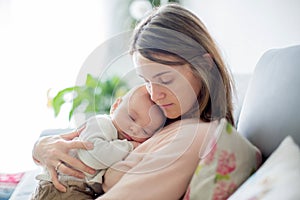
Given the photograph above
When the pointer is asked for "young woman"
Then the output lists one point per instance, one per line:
(186, 76)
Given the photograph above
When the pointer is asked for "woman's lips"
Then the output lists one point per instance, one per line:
(166, 105)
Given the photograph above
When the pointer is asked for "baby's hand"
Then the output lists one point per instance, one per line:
(135, 144)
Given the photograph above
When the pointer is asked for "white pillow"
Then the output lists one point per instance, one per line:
(229, 161)
(277, 178)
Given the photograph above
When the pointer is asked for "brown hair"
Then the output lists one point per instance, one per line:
(175, 31)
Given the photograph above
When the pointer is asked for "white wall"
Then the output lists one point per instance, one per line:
(246, 29)
(42, 45)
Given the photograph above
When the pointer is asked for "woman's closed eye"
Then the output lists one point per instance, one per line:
(165, 80)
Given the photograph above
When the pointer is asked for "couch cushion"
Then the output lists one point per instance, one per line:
(271, 108)
(241, 83)
(277, 178)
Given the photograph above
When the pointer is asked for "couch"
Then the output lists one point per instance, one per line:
(267, 113)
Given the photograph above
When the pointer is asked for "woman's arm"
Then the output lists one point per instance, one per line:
(163, 174)
(51, 150)
(112, 175)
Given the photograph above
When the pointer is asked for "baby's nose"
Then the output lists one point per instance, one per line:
(135, 129)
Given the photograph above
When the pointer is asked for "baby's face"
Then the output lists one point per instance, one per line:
(138, 118)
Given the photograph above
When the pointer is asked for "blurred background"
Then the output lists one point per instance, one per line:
(44, 45)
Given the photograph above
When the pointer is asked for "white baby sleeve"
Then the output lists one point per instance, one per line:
(108, 149)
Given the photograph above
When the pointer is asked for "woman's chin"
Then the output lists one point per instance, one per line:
(171, 115)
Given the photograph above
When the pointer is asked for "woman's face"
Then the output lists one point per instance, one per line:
(174, 88)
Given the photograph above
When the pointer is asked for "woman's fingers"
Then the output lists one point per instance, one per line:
(69, 136)
(80, 145)
(55, 180)
(71, 172)
(73, 134)
(53, 150)
(63, 154)
(76, 164)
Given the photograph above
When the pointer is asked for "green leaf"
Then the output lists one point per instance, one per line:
(199, 167)
(229, 128)
(75, 104)
(98, 94)
(91, 81)
(155, 3)
(59, 99)
(176, 1)
(220, 177)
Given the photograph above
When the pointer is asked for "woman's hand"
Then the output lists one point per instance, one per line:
(53, 153)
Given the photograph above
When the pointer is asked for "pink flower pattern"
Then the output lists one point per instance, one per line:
(187, 194)
(223, 190)
(224, 185)
(211, 154)
(227, 163)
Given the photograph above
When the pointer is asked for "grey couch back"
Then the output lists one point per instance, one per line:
(271, 108)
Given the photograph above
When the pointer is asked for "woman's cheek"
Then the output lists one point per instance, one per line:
(185, 96)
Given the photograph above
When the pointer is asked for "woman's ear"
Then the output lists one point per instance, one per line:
(115, 105)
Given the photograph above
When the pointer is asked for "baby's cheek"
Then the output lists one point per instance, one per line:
(127, 128)
(157, 116)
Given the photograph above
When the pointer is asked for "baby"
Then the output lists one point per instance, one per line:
(133, 119)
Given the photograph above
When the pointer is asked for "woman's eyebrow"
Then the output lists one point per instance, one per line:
(140, 75)
(156, 75)
(161, 73)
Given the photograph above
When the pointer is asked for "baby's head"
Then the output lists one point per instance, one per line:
(135, 116)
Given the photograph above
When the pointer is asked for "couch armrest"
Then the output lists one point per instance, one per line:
(26, 186)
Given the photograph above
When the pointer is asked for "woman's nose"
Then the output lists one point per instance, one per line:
(156, 92)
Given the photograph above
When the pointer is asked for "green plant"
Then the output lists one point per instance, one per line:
(94, 97)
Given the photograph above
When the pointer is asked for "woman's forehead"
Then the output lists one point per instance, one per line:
(145, 66)
(157, 70)
(163, 58)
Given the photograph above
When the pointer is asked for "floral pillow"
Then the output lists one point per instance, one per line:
(229, 161)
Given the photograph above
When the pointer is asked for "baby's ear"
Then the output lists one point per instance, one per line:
(115, 105)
